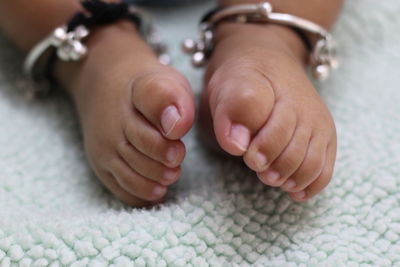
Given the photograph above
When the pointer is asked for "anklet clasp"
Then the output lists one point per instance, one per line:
(322, 56)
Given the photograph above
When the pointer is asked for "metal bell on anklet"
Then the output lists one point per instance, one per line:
(68, 44)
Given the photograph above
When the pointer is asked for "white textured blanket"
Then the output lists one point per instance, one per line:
(54, 212)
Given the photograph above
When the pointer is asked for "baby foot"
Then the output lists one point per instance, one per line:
(133, 112)
(264, 108)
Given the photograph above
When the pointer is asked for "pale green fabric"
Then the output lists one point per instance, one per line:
(54, 212)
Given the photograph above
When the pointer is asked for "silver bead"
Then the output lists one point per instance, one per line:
(321, 72)
(78, 50)
(265, 9)
(59, 36)
(189, 46)
(208, 36)
(198, 59)
(63, 52)
(81, 32)
(164, 59)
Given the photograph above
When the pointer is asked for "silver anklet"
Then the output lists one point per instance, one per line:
(65, 42)
(322, 56)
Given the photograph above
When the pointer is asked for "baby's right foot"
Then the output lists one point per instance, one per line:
(133, 111)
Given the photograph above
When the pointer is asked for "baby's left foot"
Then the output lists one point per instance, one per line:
(264, 108)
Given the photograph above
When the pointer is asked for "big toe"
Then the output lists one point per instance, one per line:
(241, 100)
(165, 99)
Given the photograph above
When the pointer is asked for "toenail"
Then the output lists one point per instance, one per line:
(158, 190)
(169, 119)
(261, 160)
(288, 185)
(170, 175)
(172, 154)
(240, 136)
(299, 195)
(272, 176)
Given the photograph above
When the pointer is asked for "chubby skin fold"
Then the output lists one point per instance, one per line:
(257, 102)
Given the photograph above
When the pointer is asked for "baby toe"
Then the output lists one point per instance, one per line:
(149, 141)
(240, 103)
(290, 159)
(310, 168)
(165, 99)
(322, 180)
(134, 183)
(146, 166)
(272, 139)
(115, 188)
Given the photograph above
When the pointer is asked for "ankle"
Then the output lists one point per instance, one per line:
(108, 45)
(278, 38)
